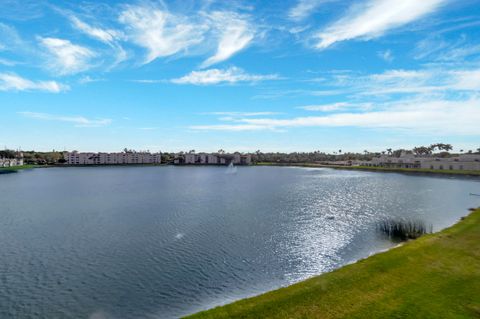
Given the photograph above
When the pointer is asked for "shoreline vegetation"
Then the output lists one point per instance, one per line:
(377, 169)
(13, 169)
(311, 165)
(435, 276)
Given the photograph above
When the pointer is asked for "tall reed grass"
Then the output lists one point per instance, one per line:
(402, 229)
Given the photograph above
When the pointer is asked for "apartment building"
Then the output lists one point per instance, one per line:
(78, 158)
(214, 159)
(461, 162)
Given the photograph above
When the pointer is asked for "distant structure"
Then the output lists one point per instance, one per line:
(406, 160)
(213, 159)
(10, 162)
(129, 157)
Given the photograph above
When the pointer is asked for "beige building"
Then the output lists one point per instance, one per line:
(77, 158)
(461, 162)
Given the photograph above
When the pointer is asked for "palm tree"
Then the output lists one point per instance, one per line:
(389, 151)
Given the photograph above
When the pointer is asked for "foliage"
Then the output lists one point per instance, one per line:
(8, 154)
(43, 158)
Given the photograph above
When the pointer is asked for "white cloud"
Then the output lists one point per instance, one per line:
(7, 62)
(374, 19)
(13, 82)
(66, 57)
(159, 31)
(305, 8)
(326, 107)
(79, 121)
(434, 117)
(241, 114)
(386, 55)
(235, 34)
(215, 76)
(437, 49)
(107, 36)
(103, 35)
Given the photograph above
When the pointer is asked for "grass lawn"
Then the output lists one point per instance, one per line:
(16, 168)
(382, 169)
(436, 276)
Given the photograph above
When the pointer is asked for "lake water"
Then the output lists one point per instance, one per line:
(161, 242)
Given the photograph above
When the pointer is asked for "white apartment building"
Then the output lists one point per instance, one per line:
(10, 162)
(214, 159)
(77, 158)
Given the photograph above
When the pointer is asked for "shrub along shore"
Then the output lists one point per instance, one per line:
(379, 169)
(435, 276)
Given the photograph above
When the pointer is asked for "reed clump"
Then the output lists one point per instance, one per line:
(402, 230)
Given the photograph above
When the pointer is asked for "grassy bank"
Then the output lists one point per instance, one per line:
(381, 169)
(17, 168)
(436, 276)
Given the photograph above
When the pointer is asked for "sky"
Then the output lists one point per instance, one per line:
(300, 75)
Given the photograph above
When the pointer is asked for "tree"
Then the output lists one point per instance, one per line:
(389, 151)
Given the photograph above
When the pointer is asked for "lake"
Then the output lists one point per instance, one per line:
(162, 242)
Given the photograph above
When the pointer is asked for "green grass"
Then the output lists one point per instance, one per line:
(17, 168)
(381, 169)
(435, 276)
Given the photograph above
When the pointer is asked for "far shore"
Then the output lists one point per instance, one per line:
(378, 169)
(312, 165)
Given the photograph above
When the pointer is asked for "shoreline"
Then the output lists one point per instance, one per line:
(379, 169)
(411, 171)
(435, 275)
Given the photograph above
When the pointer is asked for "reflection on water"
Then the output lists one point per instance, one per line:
(160, 242)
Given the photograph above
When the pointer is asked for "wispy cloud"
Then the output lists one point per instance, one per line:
(242, 114)
(304, 8)
(65, 57)
(437, 49)
(160, 32)
(433, 116)
(386, 55)
(327, 107)
(216, 76)
(104, 35)
(235, 34)
(375, 18)
(13, 82)
(107, 36)
(79, 121)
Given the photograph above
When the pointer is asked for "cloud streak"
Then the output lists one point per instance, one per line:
(14, 82)
(438, 116)
(79, 121)
(374, 19)
(217, 76)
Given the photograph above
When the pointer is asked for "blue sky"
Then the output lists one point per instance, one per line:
(298, 75)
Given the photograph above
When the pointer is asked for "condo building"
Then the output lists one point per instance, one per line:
(10, 162)
(213, 159)
(461, 162)
(77, 158)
